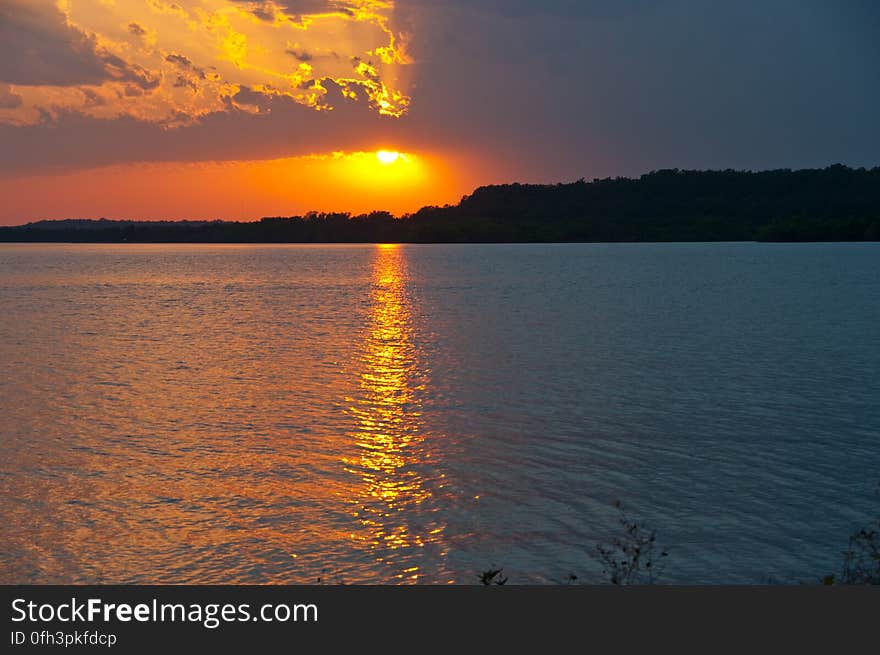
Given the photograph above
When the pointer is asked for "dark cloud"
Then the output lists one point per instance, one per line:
(119, 70)
(38, 47)
(133, 91)
(186, 63)
(93, 99)
(300, 55)
(185, 83)
(136, 29)
(265, 10)
(248, 98)
(8, 99)
(530, 8)
(180, 60)
(281, 129)
(306, 7)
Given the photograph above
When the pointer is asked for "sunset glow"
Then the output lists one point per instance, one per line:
(239, 190)
(238, 109)
(387, 156)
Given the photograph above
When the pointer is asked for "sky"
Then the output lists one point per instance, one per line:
(237, 109)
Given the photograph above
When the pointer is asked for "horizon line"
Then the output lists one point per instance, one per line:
(405, 215)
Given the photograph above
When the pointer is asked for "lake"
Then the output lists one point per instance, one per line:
(399, 414)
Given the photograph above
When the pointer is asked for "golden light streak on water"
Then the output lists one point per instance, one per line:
(389, 436)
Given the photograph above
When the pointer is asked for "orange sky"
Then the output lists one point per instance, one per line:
(329, 81)
(237, 190)
(172, 64)
(233, 109)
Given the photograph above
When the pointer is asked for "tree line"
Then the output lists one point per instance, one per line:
(837, 203)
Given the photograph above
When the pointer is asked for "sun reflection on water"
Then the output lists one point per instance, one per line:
(389, 434)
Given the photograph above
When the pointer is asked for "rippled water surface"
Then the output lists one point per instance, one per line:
(378, 414)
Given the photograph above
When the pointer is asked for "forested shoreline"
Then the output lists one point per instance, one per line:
(836, 203)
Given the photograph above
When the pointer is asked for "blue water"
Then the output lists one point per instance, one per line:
(378, 414)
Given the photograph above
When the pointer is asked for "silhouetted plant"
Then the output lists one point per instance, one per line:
(631, 557)
(493, 577)
(861, 559)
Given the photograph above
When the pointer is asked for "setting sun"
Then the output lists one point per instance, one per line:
(387, 156)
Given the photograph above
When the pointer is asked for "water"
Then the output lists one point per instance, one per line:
(261, 414)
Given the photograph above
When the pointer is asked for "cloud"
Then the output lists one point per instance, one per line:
(38, 47)
(267, 9)
(300, 55)
(8, 98)
(597, 9)
(281, 128)
(136, 29)
(174, 63)
(541, 90)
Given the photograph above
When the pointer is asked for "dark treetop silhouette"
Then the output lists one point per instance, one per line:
(831, 204)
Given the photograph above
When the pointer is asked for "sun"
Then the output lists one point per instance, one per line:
(387, 157)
